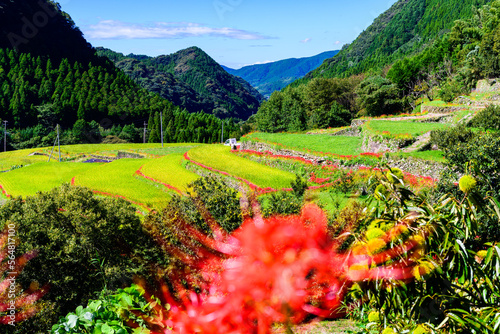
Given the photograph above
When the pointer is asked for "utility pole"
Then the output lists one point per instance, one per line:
(144, 137)
(5, 136)
(58, 143)
(161, 127)
(222, 134)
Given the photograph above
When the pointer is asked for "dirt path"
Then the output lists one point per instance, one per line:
(421, 141)
(343, 326)
(427, 116)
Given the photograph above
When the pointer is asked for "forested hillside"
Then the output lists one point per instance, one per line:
(42, 28)
(270, 77)
(54, 77)
(407, 27)
(191, 79)
(446, 67)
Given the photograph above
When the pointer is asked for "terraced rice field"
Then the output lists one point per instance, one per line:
(118, 178)
(339, 145)
(414, 129)
(220, 158)
(169, 170)
(41, 176)
(21, 157)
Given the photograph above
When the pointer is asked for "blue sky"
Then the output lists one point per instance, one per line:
(233, 32)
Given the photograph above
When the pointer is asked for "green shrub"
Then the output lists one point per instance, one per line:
(447, 139)
(450, 90)
(209, 200)
(281, 203)
(299, 186)
(220, 200)
(378, 95)
(488, 118)
(84, 244)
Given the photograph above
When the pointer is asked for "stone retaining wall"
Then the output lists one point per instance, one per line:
(376, 143)
(263, 147)
(410, 165)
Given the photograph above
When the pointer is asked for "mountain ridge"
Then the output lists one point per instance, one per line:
(273, 76)
(192, 80)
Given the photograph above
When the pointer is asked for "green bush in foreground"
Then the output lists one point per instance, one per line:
(84, 243)
(109, 314)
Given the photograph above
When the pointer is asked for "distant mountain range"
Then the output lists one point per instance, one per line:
(190, 79)
(269, 77)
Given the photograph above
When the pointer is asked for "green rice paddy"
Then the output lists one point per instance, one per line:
(169, 170)
(118, 178)
(414, 129)
(341, 145)
(220, 157)
(41, 176)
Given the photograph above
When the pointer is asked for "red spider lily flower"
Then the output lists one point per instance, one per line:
(277, 269)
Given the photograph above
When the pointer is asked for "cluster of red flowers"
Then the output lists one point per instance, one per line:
(334, 155)
(16, 306)
(4, 192)
(273, 270)
(141, 174)
(371, 154)
(413, 180)
(318, 180)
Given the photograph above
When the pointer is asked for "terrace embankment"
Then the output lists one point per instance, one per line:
(410, 165)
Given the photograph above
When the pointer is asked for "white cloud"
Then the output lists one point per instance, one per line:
(337, 42)
(262, 62)
(111, 29)
(307, 40)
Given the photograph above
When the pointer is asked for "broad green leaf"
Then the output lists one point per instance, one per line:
(106, 329)
(72, 321)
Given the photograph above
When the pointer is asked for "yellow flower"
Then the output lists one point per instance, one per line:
(375, 246)
(419, 240)
(359, 249)
(467, 183)
(482, 254)
(423, 269)
(388, 330)
(374, 233)
(421, 329)
(374, 316)
(398, 231)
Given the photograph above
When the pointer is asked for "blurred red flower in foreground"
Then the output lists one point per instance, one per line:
(273, 270)
(15, 306)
